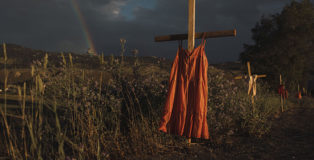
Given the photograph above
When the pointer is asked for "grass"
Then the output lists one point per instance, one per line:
(113, 112)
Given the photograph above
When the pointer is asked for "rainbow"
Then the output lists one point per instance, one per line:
(86, 32)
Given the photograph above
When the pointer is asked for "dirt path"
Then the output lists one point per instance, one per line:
(291, 137)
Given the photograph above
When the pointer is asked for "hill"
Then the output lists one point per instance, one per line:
(21, 58)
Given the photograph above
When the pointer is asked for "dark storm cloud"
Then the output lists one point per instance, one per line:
(53, 24)
(171, 17)
(45, 24)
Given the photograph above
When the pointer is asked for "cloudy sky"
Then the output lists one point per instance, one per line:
(64, 25)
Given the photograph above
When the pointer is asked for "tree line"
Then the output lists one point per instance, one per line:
(283, 44)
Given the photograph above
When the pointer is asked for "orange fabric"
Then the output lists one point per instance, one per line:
(185, 109)
(299, 95)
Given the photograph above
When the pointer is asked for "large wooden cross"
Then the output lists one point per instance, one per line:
(191, 36)
(252, 78)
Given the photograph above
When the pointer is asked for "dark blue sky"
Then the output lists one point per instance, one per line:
(53, 25)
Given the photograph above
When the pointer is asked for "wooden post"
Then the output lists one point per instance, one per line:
(281, 98)
(250, 74)
(191, 26)
(299, 93)
(249, 68)
(191, 31)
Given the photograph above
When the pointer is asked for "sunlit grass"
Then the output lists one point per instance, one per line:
(112, 112)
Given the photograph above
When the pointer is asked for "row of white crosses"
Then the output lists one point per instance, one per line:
(191, 36)
(252, 81)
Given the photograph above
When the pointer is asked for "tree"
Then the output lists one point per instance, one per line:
(284, 44)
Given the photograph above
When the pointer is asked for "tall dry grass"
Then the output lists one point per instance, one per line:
(72, 116)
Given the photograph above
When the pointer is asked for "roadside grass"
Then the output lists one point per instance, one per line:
(113, 112)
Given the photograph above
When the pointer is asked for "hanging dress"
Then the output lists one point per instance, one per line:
(185, 110)
(283, 91)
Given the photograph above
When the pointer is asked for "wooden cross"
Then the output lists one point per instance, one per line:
(253, 78)
(250, 74)
(299, 93)
(192, 35)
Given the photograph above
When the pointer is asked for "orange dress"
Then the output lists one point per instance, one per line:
(185, 109)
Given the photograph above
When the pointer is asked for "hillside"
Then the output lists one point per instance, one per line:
(21, 58)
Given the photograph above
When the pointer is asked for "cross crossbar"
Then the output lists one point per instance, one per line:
(249, 73)
(245, 77)
(198, 35)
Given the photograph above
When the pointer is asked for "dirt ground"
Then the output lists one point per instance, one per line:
(291, 137)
